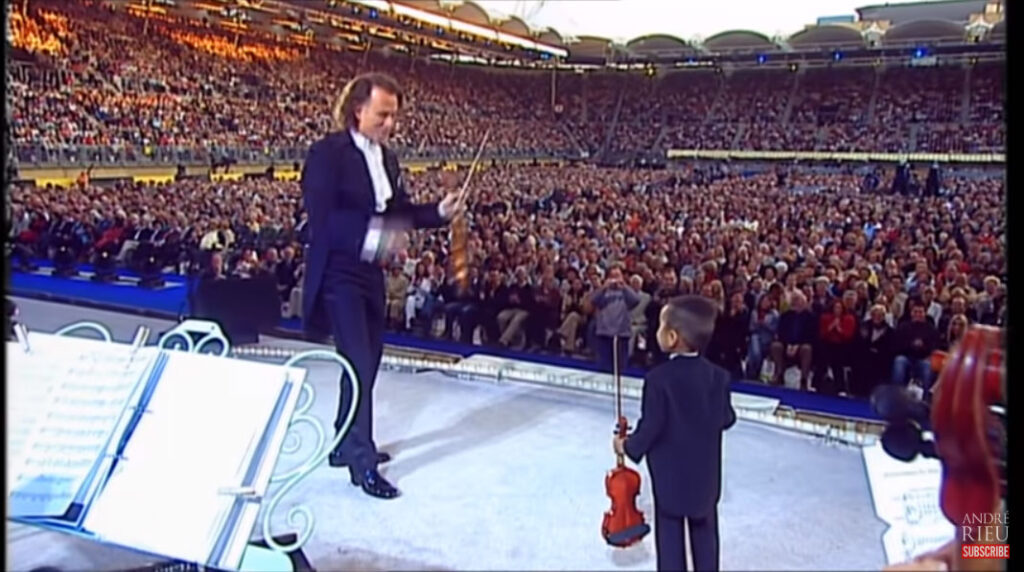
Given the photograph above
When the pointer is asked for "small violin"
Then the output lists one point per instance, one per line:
(623, 524)
(459, 237)
(460, 252)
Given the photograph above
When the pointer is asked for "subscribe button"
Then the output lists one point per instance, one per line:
(985, 551)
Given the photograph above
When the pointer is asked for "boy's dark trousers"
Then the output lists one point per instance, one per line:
(670, 541)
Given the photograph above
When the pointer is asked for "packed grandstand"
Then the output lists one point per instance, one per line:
(852, 270)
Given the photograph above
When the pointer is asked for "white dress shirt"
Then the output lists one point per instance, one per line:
(374, 156)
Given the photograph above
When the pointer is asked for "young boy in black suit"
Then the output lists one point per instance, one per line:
(686, 407)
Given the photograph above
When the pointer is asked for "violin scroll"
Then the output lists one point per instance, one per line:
(969, 441)
(970, 383)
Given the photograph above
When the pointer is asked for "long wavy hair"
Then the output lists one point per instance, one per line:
(356, 93)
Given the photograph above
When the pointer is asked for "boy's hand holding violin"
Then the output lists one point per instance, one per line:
(619, 445)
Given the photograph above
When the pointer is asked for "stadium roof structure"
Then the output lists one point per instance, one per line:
(919, 22)
(466, 28)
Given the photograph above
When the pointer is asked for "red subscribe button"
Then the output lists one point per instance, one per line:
(985, 551)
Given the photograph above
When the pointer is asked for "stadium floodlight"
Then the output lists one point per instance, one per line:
(480, 31)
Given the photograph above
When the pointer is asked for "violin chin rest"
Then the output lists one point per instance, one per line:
(631, 535)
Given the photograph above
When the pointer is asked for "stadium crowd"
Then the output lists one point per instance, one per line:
(816, 268)
(128, 88)
(809, 267)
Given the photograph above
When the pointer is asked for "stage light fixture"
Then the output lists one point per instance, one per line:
(105, 266)
(150, 275)
(64, 262)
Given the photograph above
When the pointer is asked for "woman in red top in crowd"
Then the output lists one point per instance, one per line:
(836, 331)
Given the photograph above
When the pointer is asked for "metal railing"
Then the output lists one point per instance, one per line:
(29, 156)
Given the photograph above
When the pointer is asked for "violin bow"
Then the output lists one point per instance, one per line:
(464, 191)
(620, 420)
(460, 225)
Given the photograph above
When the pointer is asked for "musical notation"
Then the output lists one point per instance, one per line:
(128, 444)
(60, 416)
(921, 505)
(46, 479)
(65, 402)
(906, 498)
(184, 428)
(52, 463)
(62, 449)
(42, 497)
(64, 433)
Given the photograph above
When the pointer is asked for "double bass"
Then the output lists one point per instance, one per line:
(970, 445)
(623, 523)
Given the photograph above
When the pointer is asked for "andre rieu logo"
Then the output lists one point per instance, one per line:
(985, 527)
(985, 535)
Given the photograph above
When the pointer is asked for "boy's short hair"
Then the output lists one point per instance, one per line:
(693, 318)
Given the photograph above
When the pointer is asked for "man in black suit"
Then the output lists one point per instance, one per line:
(686, 407)
(359, 211)
(913, 344)
(797, 333)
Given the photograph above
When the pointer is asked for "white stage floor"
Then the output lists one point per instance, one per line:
(511, 477)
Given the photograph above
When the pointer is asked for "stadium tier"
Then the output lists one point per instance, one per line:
(95, 89)
(90, 84)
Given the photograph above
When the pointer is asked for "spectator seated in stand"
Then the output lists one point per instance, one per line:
(103, 88)
(795, 341)
(915, 340)
(874, 358)
(836, 341)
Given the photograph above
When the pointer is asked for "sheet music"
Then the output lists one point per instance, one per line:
(66, 398)
(197, 436)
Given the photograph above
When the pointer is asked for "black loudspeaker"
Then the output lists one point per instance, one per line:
(244, 307)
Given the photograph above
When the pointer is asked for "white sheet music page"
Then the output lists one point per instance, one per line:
(197, 437)
(65, 399)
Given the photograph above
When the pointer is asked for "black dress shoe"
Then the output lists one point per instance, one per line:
(336, 460)
(374, 485)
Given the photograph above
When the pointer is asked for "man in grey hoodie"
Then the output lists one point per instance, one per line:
(612, 316)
